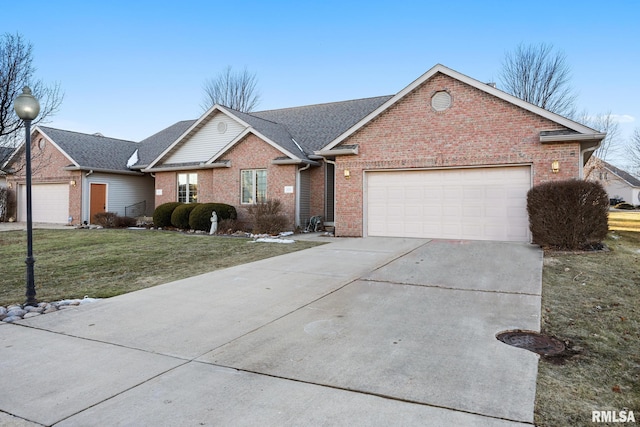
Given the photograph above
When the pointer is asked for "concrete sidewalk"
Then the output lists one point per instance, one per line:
(356, 332)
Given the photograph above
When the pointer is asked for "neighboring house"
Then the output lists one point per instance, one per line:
(618, 183)
(5, 153)
(446, 157)
(75, 176)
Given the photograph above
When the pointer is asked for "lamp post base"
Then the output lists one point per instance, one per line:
(31, 287)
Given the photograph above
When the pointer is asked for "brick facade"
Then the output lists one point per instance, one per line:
(222, 185)
(477, 130)
(47, 167)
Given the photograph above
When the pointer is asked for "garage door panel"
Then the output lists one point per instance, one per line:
(480, 203)
(49, 203)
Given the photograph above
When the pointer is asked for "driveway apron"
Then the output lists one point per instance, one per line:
(373, 331)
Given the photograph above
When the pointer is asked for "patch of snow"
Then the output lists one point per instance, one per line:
(273, 240)
(133, 159)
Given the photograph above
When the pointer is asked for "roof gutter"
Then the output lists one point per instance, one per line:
(337, 152)
(573, 137)
(92, 170)
(217, 165)
(294, 162)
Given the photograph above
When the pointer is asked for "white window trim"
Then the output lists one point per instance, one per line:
(188, 194)
(254, 185)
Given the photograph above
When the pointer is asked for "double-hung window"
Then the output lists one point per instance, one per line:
(188, 187)
(254, 186)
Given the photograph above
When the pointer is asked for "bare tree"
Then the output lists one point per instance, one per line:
(236, 90)
(605, 123)
(17, 71)
(634, 151)
(539, 75)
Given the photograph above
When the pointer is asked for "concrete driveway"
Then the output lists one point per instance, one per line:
(372, 331)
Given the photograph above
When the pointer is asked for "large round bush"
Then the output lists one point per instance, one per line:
(180, 215)
(200, 218)
(162, 214)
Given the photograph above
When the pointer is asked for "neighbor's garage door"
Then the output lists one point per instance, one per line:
(476, 204)
(50, 203)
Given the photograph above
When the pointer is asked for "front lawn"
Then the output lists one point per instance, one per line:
(591, 301)
(105, 263)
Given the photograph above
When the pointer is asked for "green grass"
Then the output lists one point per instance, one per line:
(591, 301)
(105, 263)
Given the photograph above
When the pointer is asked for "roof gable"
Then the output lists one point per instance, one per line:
(570, 124)
(151, 147)
(170, 153)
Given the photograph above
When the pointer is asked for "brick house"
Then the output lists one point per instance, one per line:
(451, 157)
(239, 158)
(618, 183)
(446, 157)
(76, 175)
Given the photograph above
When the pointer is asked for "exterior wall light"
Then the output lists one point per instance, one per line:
(347, 174)
(72, 183)
(555, 166)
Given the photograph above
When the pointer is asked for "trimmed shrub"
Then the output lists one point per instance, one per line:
(267, 217)
(112, 220)
(125, 221)
(180, 215)
(105, 219)
(200, 218)
(568, 215)
(162, 214)
(228, 226)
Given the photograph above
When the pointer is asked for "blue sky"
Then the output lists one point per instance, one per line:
(131, 68)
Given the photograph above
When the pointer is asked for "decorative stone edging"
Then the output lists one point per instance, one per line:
(15, 312)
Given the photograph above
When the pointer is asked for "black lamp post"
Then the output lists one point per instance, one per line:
(27, 108)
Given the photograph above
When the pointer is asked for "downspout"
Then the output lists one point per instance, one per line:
(581, 159)
(298, 179)
(84, 209)
(335, 168)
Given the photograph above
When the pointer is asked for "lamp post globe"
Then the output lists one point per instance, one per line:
(26, 105)
(27, 108)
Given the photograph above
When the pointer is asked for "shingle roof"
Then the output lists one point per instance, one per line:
(93, 151)
(298, 130)
(5, 153)
(276, 132)
(314, 126)
(630, 179)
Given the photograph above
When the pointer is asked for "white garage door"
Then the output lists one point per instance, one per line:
(50, 203)
(475, 204)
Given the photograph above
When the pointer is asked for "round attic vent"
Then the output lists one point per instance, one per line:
(222, 127)
(441, 101)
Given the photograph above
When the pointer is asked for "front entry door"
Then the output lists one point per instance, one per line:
(98, 201)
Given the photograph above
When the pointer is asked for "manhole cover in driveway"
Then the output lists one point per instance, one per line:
(532, 341)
